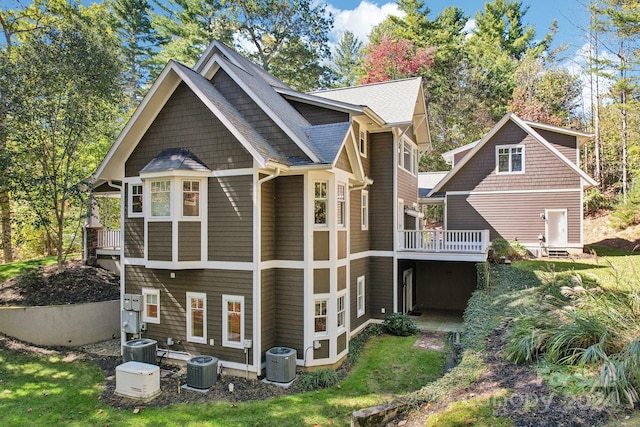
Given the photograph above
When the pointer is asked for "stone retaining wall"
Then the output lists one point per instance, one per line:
(62, 325)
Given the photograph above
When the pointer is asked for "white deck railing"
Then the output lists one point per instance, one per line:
(108, 239)
(450, 241)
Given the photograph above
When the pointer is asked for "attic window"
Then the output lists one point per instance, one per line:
(510, 159)
(363, 143)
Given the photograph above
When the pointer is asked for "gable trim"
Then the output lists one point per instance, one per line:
(353, 154)
(481, 143)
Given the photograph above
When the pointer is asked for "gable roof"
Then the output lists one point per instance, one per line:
(528, 129)
(306, 144)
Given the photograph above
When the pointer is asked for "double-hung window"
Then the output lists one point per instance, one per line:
(135, 200)
(232, 321)
(320, 203)
(360, 301)
(407, 156)
(151, 305)
(364, 206)
(342, 205)
(197, 317)
(320, 317)
(363, 143)
(510, 159)
(161, 198)
(340, 311)
(190, 198)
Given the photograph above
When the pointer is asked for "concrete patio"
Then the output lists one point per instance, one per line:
(439, 321)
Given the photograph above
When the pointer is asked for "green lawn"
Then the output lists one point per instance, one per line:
(46, 390)
(12, 269)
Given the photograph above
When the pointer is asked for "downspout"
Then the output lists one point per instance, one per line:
(269, 177)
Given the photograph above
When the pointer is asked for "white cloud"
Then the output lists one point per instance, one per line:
(360, 20)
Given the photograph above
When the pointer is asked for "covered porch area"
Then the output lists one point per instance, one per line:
(102, 235)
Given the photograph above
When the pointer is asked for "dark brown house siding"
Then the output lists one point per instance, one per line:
(267, 220)
(289, 309)
(189, 241)
(381, 192)
(159, 241)
(173, 293)
(359, 267)
(289, 220)
(380, 286)
(256, 117)
(134, 237)
(543, 170)
(359, 237)
(566, 144)
(459, 156)
(185, 122)
(231, 218)
(512, 216)
(319, 115)
(268, 307)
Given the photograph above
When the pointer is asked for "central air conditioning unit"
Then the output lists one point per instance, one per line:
(140, 350)
(138, 380)
(281, 364)
(202, 371)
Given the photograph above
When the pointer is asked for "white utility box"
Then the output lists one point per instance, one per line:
(138, 380)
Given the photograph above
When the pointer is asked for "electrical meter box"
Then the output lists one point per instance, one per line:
(136, 302)
(126, 302)
(130, 322)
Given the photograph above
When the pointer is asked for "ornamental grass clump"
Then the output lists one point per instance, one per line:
(580, 324)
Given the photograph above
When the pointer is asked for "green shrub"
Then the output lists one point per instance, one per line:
(31, 279)
(400, 324)
(508, 249)
(595, 201)
(627, 214)
(317, 380)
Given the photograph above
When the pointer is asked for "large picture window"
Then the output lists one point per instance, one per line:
(320, 203)
(232, 321)
(196, 317)
(510, 159)
(161, 198)
(151, 305)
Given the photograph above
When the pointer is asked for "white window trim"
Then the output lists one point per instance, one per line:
(510, 147)
(326, 316)
(364, 213)
(145, 293)
(413, 167)
(130, 212)
(181, 201)
(326, 200)
(175, 195)
(191, 338)
(147, 207)
(363, 141)
(360, 285)
(225, 321)
(343, 327)
(345, 208)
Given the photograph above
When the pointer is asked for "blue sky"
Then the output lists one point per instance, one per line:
(359, 16)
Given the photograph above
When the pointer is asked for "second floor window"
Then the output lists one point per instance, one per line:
(510, 159)
(365, 210)
(190, 198)
(342, 204)
(320, 203)
(136, 198)
(407, 156)
(161, 198)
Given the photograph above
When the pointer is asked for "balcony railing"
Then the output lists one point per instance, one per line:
(448, 241)
(108, 239)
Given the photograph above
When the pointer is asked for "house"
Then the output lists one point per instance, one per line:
(522, 182)
(256, 216)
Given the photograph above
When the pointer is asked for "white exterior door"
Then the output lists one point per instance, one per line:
(407, 290)
(556, 228)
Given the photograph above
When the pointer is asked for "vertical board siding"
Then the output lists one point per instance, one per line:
(189, 241)
(267, 221)
(231, 218)
(159, 241)
(381, 192)
(134, 237)
(359, 267)
(359, 237)
(543, 170)
(289, 311)
(184, 121)
(173, 308)
(318, 115)
(379, 286)
(268, 309)
(289, 221)
(512, 216)
(255, 116)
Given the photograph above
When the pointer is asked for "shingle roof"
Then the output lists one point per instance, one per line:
(175, 159)
(393, 101)
(327, 139)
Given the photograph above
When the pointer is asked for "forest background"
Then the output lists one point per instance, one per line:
(71, 74)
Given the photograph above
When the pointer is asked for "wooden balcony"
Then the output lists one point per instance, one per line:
(453, 245)
(108, 239)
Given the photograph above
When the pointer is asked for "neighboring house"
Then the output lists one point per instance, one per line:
(523, 182)
(256, 216)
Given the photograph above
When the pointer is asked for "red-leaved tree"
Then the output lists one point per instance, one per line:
(394, 59)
